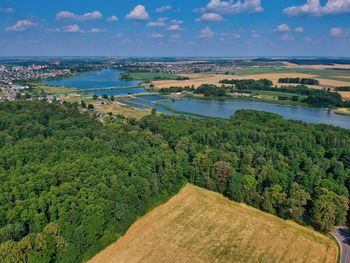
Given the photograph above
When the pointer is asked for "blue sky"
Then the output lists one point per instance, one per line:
(175, 28)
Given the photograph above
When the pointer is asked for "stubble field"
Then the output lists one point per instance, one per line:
(198, 225)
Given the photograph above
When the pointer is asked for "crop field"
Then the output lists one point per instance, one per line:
(151, 76)
(345, 94)
(273, 94)
(126, 111)
(327, 76)
(55, 90)
(198, 225)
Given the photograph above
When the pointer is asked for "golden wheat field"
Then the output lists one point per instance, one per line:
(345, 94)
(198, 225)
(198, 79)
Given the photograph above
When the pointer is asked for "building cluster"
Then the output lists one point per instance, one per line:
(11, 73)
(11, 92)
(181, 68)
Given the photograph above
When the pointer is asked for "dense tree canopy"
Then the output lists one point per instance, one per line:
(71, 185)
(92, 181)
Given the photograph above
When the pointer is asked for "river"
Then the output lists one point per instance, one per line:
(97, 82)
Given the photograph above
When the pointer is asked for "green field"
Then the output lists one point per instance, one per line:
(276, 94)
(55, 90)
(150, 76)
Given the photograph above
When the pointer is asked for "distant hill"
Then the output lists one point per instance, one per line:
(198, 225)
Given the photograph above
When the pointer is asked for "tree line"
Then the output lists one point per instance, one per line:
(303, 81)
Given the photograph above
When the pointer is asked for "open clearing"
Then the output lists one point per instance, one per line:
(345, 94)
(126, 111)
(200, 78)
(198, 225)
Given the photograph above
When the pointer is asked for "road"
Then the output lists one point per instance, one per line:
(342, 234)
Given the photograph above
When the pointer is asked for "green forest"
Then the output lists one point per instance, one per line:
(71, 185)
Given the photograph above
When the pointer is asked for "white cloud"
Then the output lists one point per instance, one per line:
(97, 30)
(287, 37)
(156, 35)
(206, 33)
(163, 9)
(174, 21)
(229, 36)
(282, 28)
(336, 32)
(112, 19)
(21, 25)
(87, 16)
(7, 10)
(72, 29)
(255, 35)
(231, 7)
(160, 22)
(236, 36)
(138, 13)
(174, 27)
(314, 7)
(212, 17)
(299, 29)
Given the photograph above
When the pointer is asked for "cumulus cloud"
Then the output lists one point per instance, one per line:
(163, 9)
(156, 35)
(7, 10)
(314, 7)
(212, 17)
(112, 19)
(231, 7)
(282, 28)
(174, 28)
(87, 16)
(175, 25)
(299, 29)
(336, 32)
(97, 30)
(21, 25)
(160, 22)
(287, 37)
(138, 13)
(206, 33)
(72, 29)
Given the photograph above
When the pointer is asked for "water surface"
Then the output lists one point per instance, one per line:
(106, 78)
(226, 108)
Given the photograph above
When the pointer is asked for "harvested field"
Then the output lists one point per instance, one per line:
(199, 79)
(337, 66)
(345, 94)
(198, 225)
